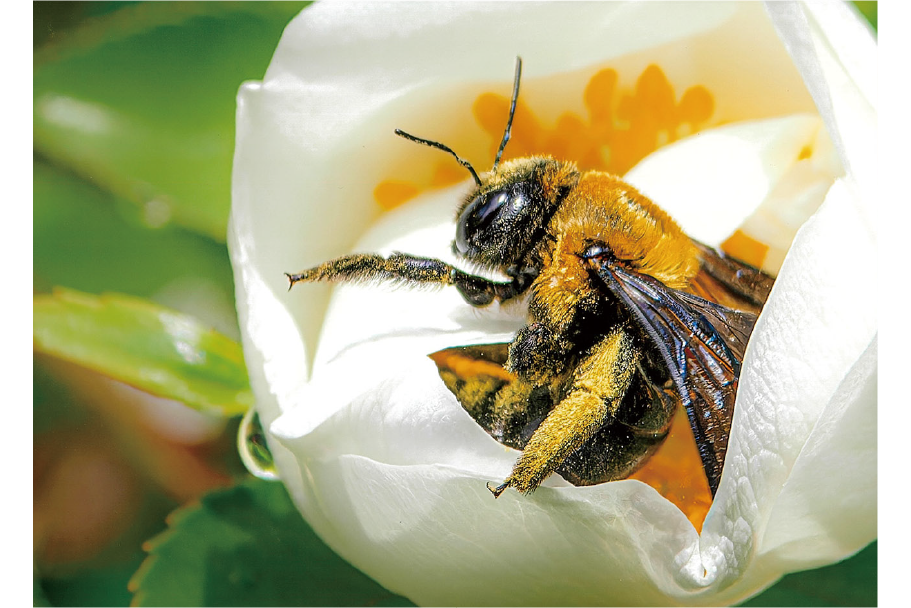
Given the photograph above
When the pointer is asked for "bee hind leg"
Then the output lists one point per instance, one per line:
(596, 390)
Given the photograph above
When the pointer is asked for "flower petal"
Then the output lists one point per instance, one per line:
(841, 448)
(766, 177)
(811, 334)
(398, 425)
(836, 54)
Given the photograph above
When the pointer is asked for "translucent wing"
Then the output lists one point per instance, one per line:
(701, 343)
(730, 282)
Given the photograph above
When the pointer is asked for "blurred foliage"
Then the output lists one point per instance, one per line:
(869, 9)
(144, 345)
(133, 132)
(105, 586)
(38, 596)
(105, 478)
(87, 239)
(258, 551)
(140, 100)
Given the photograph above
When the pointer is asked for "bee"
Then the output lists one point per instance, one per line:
(628, 319)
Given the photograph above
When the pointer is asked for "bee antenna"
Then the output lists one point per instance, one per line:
(512, 111)
(439, 146)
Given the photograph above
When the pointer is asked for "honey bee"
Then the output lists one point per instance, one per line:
(628, 319)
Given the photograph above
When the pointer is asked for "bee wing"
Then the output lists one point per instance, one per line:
(702, 344)
(730, 282)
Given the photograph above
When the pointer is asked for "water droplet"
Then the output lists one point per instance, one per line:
(254, 451)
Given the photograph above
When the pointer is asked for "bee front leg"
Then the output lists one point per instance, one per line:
(409, 269)
(594, 395)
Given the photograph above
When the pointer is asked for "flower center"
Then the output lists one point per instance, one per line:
(622, 127)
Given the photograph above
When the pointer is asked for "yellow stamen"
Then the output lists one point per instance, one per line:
(622, 127)
(745, 248)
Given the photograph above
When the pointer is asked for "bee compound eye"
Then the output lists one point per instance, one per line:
(486, 212)
(477, 216)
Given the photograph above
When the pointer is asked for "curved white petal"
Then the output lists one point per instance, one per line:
(835, 52)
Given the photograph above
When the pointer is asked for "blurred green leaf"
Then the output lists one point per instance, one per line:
(88, 240)
(141, 101)
(249, 546)
(152, 348)
(38, 596)
(99, 586)
(848, 583)
(869, 9)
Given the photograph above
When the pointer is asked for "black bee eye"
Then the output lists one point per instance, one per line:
(483, 209)
(485, 213)
(477, 216)
(597, 250)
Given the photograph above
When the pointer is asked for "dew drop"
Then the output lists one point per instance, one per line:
(253, 449)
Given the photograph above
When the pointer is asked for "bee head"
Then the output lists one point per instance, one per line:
(509, 210)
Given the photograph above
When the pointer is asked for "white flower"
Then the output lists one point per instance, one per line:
(382, 460)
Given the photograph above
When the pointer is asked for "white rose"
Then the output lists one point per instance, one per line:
(379, 456)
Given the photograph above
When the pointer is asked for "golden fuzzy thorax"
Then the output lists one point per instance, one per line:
(604, 209)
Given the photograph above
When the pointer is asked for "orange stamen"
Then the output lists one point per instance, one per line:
(745, 248)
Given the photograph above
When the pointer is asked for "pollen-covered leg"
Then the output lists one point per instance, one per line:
(408, 269)
(597, 388)
(366, 267)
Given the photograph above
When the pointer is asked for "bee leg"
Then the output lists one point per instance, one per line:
(593, 396)
(367, 267)
(405, 268)
(538, 353)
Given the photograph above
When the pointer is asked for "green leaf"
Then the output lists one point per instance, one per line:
(87, 239)
(150, 347)
(848, 583)
(141, 101)
(38, 596)
(869, 9)
(249, 546)
(102, 585)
